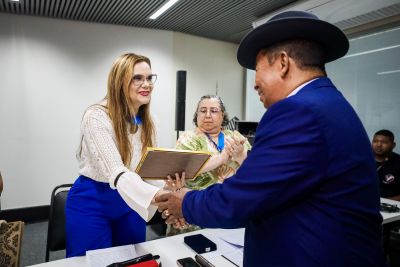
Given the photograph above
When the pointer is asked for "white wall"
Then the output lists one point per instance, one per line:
(254, 109)
(211, 69)
(51, 70)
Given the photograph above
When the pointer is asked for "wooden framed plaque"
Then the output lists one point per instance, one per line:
(158, 163)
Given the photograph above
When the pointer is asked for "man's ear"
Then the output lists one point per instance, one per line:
(394, 144)
(284, 63)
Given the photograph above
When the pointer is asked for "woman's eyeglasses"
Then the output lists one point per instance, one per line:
(138, 80)
(204, 111)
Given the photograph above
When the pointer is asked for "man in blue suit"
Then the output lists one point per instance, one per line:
(307, 193)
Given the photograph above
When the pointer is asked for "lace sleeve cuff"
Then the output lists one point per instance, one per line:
(137, 194)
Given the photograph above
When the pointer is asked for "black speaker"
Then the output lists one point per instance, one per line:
(180, 100)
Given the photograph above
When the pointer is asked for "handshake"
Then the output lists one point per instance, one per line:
(169, 201)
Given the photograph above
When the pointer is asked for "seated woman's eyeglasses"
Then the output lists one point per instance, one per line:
(213, 111)
(139, 79)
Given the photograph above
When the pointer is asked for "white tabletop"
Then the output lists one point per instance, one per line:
(390, 216)
(172, 248)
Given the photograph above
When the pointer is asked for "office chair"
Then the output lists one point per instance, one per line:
(232, 124)
(56, 228)
(158, 225)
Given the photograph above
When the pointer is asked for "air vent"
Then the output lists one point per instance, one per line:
(369, 17)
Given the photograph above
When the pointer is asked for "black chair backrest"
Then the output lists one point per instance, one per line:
(232, 124)
(56, 228)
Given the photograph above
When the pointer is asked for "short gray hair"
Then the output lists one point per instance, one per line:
(225, 119)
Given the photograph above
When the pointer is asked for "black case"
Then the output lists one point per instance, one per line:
(200, 243)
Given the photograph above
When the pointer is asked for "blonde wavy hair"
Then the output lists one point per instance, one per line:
(120, 106)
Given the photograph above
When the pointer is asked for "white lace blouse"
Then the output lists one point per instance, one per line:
(100, 160)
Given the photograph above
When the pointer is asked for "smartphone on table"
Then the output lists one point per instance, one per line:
(187, 262)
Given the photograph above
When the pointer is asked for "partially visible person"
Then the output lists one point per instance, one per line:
(388, 169)
(210, 136)
(1, 184)
(387, 164)
(109, 204)
(1, 188)
(229, 148)
(303, 197)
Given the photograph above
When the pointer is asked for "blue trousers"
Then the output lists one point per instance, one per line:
(97, 217)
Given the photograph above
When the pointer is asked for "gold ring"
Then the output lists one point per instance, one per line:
(166, 212)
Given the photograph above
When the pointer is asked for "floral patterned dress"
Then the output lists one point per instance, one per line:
(196, 140)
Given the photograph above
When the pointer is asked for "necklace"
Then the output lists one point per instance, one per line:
(221, 141)
(381, 163)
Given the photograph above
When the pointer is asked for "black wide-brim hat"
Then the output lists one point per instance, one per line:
(291, 25)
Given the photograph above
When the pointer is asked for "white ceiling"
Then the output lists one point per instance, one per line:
(226, 20)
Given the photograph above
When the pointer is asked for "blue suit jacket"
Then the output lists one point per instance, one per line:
(308, 192)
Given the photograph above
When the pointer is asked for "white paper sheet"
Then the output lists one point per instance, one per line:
(235, 238)
(106, 256)
(235, 256)
(230, 244)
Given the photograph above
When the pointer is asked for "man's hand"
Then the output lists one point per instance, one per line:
(170, 205)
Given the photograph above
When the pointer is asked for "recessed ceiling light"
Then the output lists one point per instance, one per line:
(371, 51)
(388, 72)
(163, 8)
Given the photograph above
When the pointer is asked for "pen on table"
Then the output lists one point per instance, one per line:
(229, 260)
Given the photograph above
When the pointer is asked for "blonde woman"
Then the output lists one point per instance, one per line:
(109, 203)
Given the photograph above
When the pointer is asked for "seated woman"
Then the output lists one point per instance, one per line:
(229, 148)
